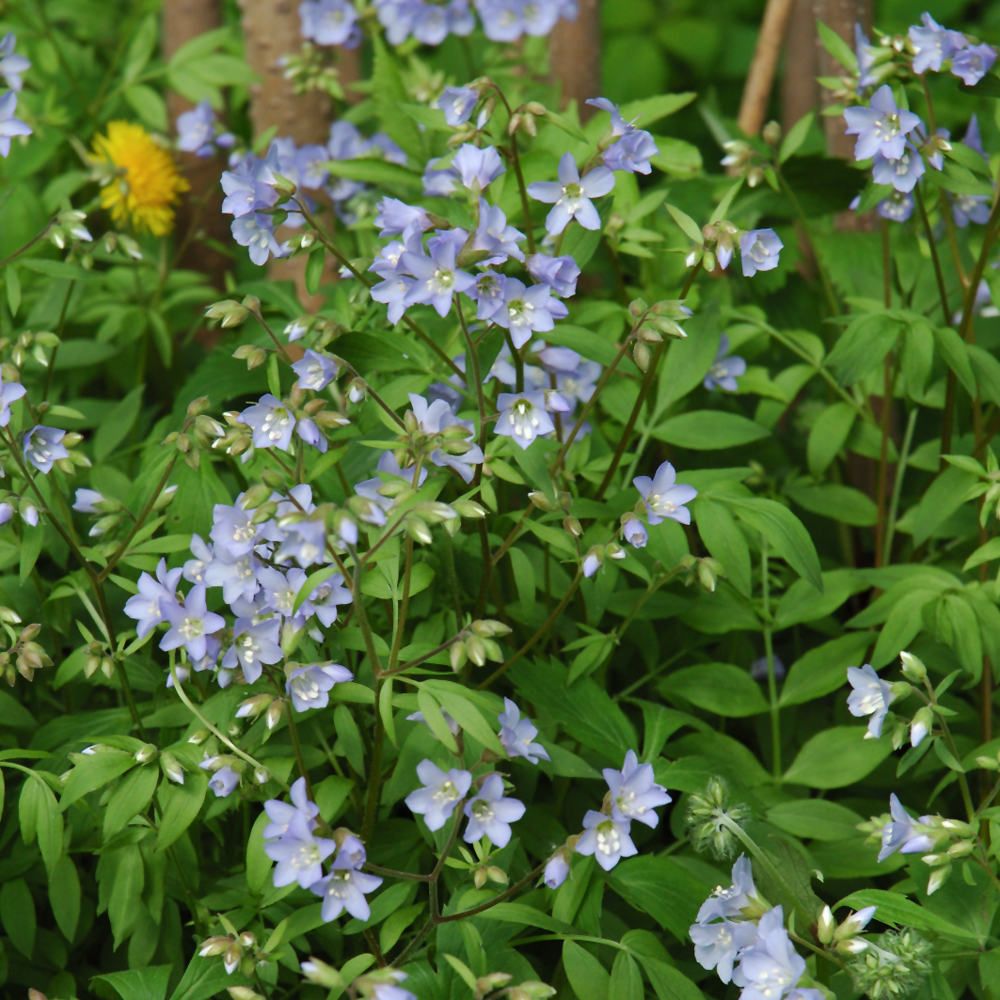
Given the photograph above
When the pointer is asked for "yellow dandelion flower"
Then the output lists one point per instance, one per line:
(147, 182)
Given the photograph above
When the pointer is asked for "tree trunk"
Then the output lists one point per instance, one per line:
(757, 90)
(799, 89)
(200, 211)
(271, 29)
(575, 57)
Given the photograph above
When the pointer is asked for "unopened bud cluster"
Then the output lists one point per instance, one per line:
(476, 643)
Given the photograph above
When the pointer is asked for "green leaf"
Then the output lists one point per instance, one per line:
(725, 540)
(64, 896)
(796, 136)
(784, 531)
(901, 627)
(95, 771)
(815, 819)
(390, 175)
(314, 270)
(31, 549)
(837, 47)
(824, 669)
(709, 430)
(987, 371)
(580, 243)
(432, 118)
(524, 578)
(589, 979)
(204, 977)
(133, 794)
(349, 737)
(677, 157)
(659, 886)
(567, 125)
(452, 699)
(717, 687)
(125, 902)
(956, 355)
(149, 983)
(17, 913)
(839, 503)
(985, 553)
(149, 105)
(258, 863)
(115, 427)
(828, 436)
(385, 710)
(723, 207)
(688, 226)
(13, 290)
(803, 603)
(40, 817)
(862, 347)
(652, 109)
(895, 908)
(179, 805)
(837, 757)
(521, 913)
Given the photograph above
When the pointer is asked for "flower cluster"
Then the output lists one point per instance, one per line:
(502, 20)
(12, 66)
(199, 131)
(740, 935)
(872, 696)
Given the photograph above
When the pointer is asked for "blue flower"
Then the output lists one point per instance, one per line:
(570, 196)
(618, 124)
(871, 696)
(726, 903)
(556, 871)
(491, 814)
(489, 294)
(300, 855)
(501, 20)
(224, 782)
(309, 687)
(436, 417)
(191, 624)
(900, 833)
(196, 130)
(11, 64)
(457, 103)
(718, 945)
(10, 392)
(933, 44)
(898, 207)
(439, 183)
(759, 250)
(253, 646)
(725, 369)
(396, 218)
(902, 173)
(250, 187)
(271, 421)
(148, 606)
(344, 889)
(528, 310)
(494, 235)
(477, 168)
(634, 793)
(523, 417)
(392, 292)
(771, 966)
(442, 791)
(631, 153)
(606, 838)
(43, 447)
(664, 497)
(882, 127)
(315, 371)
(516, 735)
(559, 273)
(634, 532)
(256, 233)
(973, 63)
(9, 125)
(281, 813)
(437, 278)
(866, 54)
(327, 22)
(85, 501)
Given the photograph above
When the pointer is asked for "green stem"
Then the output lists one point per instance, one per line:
(27, 246)
(897, 486)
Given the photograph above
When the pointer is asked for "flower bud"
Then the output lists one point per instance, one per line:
(469, 508)
(198, 406)
(274, 714)
(479, 878)
(921, 725)
(458, 656)
(497, 875)
(938, 878)
(232, 956)
(476, 649)
(171, 767)
(243, 993)
(641, 355)
(146, 753)
(988, 763)
(826, 925)
(771, 133)
(321, 974)
(165, 498)
(961, 849)
(636, 308)
(252, 707)
(418, 530)
(541, 501)
(228, 312)
(572, 526)
(199, 736)
(213, 946)
(531, 990)
(901, 690)
(913, 668)
(261, 775)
